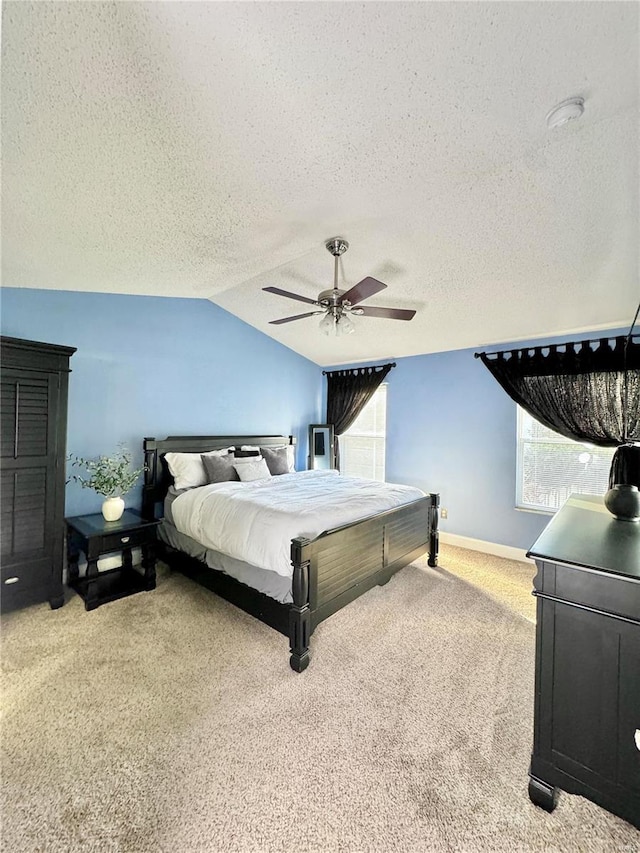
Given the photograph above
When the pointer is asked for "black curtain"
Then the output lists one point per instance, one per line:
(348, 392)
(585, 390)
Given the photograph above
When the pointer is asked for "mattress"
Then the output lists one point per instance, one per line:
(270, 583)
(256, 521)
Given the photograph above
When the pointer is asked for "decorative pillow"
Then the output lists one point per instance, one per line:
(219, 469)
(254, 453)
(290, 456)
(252, 470)
(277, 459)
(249, 447)
(187, 468)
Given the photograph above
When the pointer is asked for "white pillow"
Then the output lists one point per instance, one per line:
(187, 468)
(252, 469)
(291, 458)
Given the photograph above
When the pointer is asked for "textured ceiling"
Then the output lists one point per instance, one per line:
(208, 149)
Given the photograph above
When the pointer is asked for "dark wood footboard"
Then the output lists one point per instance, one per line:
(341, 564)
(329, 571)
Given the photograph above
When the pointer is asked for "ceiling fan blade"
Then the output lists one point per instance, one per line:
(295, 317)
(290, 295)
(388, 313)
(363, 290)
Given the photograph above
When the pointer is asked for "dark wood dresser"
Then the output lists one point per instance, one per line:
(587, 692)
(33, 405)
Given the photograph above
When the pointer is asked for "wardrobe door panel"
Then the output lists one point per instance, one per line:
(28, 464)
(25, 501)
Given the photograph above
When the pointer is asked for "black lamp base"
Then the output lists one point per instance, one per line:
(623, 501)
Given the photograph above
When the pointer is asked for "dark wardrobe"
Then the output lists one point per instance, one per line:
(33, 408)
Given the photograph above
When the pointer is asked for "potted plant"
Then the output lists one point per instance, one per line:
(111, 476)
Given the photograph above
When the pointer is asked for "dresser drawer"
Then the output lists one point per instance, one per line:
(601, 591)
(25, 584)
(21, 575)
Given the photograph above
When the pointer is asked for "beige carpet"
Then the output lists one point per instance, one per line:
(170, 721)
(507, 582)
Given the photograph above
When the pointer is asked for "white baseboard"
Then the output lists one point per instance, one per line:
(494, 548)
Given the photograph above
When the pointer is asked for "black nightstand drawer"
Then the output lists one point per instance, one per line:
(126, 539)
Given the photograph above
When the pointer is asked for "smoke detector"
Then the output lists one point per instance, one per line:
(564, 112)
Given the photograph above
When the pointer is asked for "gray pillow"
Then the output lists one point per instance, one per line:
(277, 459)
(219, 469)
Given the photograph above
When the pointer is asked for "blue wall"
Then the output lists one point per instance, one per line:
(452, 429)
(152, 366)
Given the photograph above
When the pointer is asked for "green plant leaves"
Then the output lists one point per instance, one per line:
(110, 476)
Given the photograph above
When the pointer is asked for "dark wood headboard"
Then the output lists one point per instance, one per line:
(157, 477)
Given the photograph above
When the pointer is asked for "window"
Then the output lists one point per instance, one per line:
(362, 446)
(551, 467)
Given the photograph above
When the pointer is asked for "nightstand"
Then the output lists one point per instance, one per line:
(94, 536)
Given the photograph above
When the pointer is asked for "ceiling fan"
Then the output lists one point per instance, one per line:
(337, 304)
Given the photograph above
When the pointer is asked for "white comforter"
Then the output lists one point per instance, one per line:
(256, 521)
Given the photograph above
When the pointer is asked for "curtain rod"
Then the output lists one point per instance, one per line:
(345, 369)
(565, 343)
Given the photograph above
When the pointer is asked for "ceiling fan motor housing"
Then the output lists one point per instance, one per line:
(332, 301)
(330, 297)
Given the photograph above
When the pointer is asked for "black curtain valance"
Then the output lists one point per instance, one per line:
(601, 355)
(361, 371)
(585, 390)
(348, 392)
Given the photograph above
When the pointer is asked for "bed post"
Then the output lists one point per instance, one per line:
(300, 612)
(434, 538)
(150, 471)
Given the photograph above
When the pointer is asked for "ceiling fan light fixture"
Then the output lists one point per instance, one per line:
(328, 324)
(336, 324)
(346, 325)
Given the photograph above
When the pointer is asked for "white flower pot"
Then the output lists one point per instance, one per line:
(112, 509)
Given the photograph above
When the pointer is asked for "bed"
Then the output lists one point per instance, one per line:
(328, 570)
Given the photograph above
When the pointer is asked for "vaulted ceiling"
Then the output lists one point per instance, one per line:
(209, 149)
